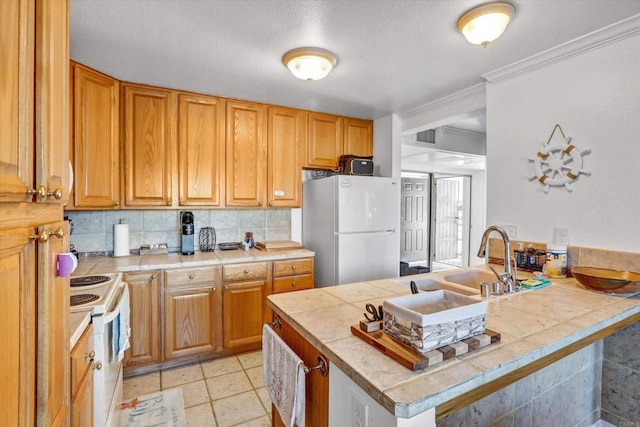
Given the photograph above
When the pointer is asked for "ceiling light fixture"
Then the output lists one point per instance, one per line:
(310, 63)
(485, 23)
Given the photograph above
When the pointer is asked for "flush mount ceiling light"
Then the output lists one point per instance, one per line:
(485, 23)
(309, 63)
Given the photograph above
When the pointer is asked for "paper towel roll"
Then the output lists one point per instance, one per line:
(120, 239)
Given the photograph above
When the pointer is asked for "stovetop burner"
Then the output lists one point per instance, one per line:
(83, 299)
(77, 282)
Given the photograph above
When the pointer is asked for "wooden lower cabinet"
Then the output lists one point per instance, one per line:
(316, 384)
(244, 307)
(82, 366)
(144, 291)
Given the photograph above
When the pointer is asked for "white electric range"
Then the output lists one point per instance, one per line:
(107, 297)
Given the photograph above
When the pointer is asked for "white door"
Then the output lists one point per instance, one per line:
(451, 220)
(414, 219)
(365, 256)
(366, 204)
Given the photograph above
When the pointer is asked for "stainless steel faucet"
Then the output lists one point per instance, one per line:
(508, 279)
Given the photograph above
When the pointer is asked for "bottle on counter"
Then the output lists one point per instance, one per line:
(557, 261)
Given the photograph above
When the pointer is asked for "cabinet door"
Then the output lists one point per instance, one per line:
(189, 322)
(52, 100)
(17, 325)
(53, 363)
(201, 150)
(246, 152)
(96, 152)
(82, 406)
(17, 18)
(148, 115)
(286, 132)
(244, 305)
(144, 291)
(316, 385)
(358, 137)
(324, 145)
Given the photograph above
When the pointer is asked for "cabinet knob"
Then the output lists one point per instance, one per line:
(259, 203)
(98, 366)
(270, 203)
(116, 203)
(43, 237)
(59, 233)
(246, 272)
(293, 267)
(191, 276)
(154, 276)
(168, 203)
(293, 284)
(90, 355)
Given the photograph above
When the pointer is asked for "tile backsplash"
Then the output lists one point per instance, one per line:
(93, 230)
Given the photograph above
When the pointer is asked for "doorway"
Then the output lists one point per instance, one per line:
(435, 222)
(450, 222)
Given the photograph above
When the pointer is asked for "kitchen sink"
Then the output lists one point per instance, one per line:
(427, 284)
(471, 278)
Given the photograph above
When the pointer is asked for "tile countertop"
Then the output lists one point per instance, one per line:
(102, 265)
(533, 324)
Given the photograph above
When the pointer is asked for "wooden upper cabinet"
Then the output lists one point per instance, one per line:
(324, 145)
(358, 137)
(246, 152)
(286, 133)
(96, 153)
(149, 145)
(201, 150)
(17, 19)
(52, 100)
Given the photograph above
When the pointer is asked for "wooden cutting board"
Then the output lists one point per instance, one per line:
(278, 244)
(413, 359)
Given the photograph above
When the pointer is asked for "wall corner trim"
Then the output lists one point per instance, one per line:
(613, 33)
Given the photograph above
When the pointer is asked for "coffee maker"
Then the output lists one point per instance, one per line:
(186, 218)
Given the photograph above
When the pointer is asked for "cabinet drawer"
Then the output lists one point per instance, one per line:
(293, 283)
(189, 276)
(81, 359)
(292, 266)
(248, 271)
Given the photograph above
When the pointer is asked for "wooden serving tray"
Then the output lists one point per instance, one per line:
(278, 244)
(413, 359)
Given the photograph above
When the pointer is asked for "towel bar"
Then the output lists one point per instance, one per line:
(322, 365)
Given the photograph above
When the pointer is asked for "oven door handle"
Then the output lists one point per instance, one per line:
(109, 317)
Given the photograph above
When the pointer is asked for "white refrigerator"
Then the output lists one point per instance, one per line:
(351, 223)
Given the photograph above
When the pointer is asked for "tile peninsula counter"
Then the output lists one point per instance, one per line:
(537, 327)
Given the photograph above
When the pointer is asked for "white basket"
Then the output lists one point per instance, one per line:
(429, 320)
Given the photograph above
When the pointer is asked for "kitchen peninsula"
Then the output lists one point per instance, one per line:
(539, 328)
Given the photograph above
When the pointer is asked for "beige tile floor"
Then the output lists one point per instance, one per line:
(219, 393)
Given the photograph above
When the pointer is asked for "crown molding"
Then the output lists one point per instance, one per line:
(458, 131)
(607, 35)
(452, 99)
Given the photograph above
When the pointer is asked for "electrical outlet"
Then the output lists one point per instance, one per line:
(358, 413)
(560, 236)
(512, 230)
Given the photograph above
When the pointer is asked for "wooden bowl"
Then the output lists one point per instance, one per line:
(606, 280)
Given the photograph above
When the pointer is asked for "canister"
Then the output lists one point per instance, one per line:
(557, 260)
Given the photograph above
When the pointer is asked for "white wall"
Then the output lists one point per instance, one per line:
(595, 97)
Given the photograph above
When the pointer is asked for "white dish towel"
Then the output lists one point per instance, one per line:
(125, 328)
(283, 377)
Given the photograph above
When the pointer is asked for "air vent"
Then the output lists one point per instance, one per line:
(428, 136)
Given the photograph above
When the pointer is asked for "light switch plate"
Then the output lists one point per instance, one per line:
(560, 236)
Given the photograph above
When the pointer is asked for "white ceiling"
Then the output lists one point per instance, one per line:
(393, 55)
